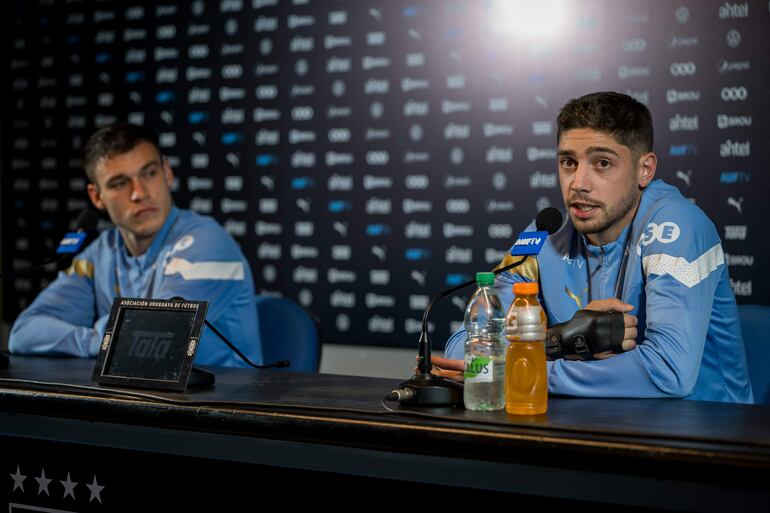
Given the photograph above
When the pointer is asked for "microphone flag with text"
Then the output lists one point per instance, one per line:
(72, 241)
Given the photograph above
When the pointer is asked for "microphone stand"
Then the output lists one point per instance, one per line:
(86, 222)
(56, 260)
(425, 388)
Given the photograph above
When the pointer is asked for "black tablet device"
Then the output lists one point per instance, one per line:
(150, 343)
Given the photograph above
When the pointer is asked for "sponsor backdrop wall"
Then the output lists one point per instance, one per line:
(367, 154)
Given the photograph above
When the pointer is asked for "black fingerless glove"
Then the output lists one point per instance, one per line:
(587, 333)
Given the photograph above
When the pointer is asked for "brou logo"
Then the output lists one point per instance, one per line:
(665, 233)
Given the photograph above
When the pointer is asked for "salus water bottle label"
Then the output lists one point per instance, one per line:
(479, 369)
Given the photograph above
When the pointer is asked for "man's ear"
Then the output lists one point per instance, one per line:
(168, 173)
(648, 164)
(95, 196)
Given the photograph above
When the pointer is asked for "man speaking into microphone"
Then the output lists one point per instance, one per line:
(155, 250)
(630, 244)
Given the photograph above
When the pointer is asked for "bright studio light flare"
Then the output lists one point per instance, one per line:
(527, 17)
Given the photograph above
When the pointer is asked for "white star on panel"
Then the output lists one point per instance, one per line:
(42, 483)
(95, 491)
(69, 487)
(18, 479)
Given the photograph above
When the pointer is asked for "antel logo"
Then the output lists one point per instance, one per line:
(682, 69)
(733, 10)
(729, 94)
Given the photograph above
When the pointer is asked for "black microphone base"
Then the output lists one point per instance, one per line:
(429, 391)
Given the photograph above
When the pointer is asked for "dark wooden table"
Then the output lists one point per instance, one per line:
(325, 438)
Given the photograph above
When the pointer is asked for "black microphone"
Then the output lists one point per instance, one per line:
(425, 389)
(71, 243)
(549, 220)
(87, 220)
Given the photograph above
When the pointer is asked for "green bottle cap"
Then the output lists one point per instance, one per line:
(485, 279)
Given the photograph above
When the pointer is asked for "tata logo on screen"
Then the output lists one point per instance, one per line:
(150, 344)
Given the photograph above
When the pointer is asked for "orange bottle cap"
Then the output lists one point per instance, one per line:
(525, 288)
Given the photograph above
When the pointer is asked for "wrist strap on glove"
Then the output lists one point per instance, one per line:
(587, 333)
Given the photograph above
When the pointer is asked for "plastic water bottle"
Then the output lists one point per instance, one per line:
(526, 380)
(484, 348)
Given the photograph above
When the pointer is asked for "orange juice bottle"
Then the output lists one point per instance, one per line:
(526, 381)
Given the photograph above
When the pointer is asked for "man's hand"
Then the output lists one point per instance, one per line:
(451, 369)
(630, 321)
(455, 369)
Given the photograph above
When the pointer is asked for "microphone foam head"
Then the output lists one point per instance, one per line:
(87, 220)
(549, 220)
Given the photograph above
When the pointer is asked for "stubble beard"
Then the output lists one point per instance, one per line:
(609, 214)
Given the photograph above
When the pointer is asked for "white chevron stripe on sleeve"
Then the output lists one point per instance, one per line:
(686, 273)
(205, 270)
